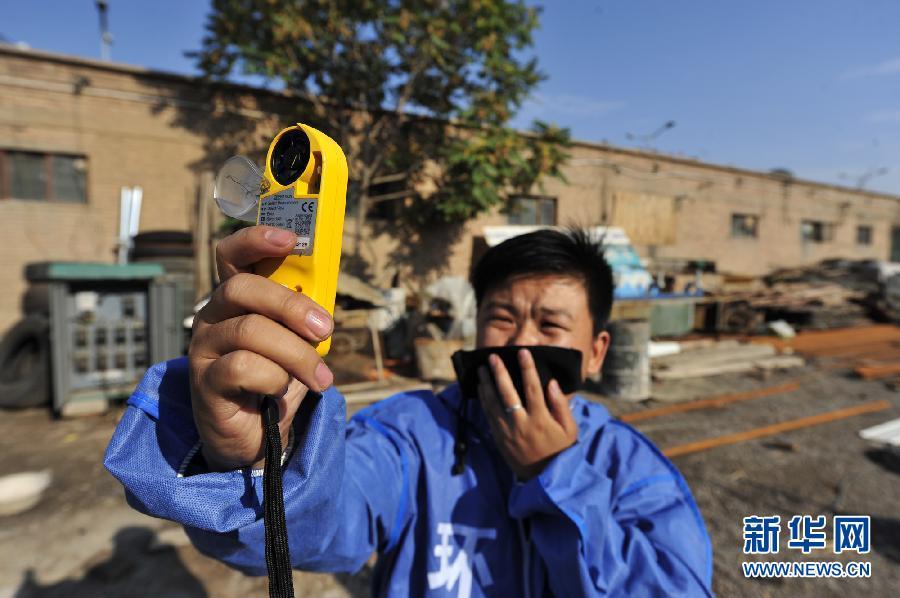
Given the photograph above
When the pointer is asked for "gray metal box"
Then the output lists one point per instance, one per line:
(108, 323)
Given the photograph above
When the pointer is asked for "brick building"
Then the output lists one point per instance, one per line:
(73, 132)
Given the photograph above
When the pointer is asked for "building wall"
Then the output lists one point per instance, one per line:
(698, 200)
(135, 128)
(677, 210)
(165, 133)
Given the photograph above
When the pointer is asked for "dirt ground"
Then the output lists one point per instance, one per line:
(83, 541)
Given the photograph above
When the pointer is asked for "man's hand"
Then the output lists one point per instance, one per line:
(527, 435)
(255, 337)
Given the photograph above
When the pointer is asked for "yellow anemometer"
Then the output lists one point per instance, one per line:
(303, 189)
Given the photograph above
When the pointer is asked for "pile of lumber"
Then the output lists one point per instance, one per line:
(857, 275)
(816, 306)
(699, 359)
(872, 352)
(831, 294)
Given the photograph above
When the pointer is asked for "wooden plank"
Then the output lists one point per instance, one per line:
(771, 430)
(887, 433)
(857, 350)
(714, 356)
(682, 373)
(648, 219)
(712, 402)
(821, 342)
(775, 362)
(877, 372)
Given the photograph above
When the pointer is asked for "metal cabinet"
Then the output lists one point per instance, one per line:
(108, 323)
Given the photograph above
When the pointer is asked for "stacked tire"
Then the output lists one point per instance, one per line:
(174, 250)
(25, 363)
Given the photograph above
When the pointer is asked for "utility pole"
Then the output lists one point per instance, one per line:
(105, 35)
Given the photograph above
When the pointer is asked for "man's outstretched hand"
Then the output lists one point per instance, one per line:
(254, 337)
(528, 433)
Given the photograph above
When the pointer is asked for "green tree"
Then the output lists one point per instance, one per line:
(422, 87)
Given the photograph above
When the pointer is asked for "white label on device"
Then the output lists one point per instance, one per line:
(294, 214)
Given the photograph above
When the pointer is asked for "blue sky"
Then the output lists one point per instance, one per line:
(813, 86)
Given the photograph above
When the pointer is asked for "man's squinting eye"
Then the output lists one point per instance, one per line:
(553, 325)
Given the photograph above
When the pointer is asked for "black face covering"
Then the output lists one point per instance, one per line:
(552, 362)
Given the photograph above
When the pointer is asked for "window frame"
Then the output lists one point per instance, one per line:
(741, 215)
(537, 211)
(47, 165)
(826, 229)
(870, 235)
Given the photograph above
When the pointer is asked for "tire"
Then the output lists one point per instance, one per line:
(164, 237)
(163, 243)
(146, 252)
(25, 364)
(173, 265)
(36, 300)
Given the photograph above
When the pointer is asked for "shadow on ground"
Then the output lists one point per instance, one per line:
(887, 460)
(140, 566)
(137, 566)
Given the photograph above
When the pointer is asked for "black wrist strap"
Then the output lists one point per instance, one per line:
(278, 557)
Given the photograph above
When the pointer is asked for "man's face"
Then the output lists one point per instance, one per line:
(542, 310)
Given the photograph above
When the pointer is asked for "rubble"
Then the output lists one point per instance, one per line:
(835, 293)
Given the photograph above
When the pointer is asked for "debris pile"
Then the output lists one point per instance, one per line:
(835, 293)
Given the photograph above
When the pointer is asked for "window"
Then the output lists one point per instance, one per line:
(43, 177)
(863, 234)
(532, 210)
(744, 226)
(814, 231)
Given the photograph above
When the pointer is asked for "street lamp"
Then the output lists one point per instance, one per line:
(105, 36)
(863, 179)
(648, 137)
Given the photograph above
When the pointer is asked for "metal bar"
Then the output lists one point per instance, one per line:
(771, 430)
(376, 348)
(719, 401)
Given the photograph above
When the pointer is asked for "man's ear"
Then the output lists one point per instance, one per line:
(599, 346)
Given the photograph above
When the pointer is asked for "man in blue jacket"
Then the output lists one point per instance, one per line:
(556, 497)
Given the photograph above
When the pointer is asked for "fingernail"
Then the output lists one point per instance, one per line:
(524, 355)
(493, 359)
(280, 237)
(318, 322)
(324, 376)
(554, 386)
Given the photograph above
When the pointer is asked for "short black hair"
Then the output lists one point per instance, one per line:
(572, 252)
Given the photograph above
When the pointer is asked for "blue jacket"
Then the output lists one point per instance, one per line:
(609, 515)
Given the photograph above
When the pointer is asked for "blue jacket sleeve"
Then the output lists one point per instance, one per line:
(346, 486)
(610, 515)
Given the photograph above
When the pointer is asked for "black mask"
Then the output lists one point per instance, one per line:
(552, 362)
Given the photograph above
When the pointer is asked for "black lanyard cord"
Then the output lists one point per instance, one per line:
(278, 557)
